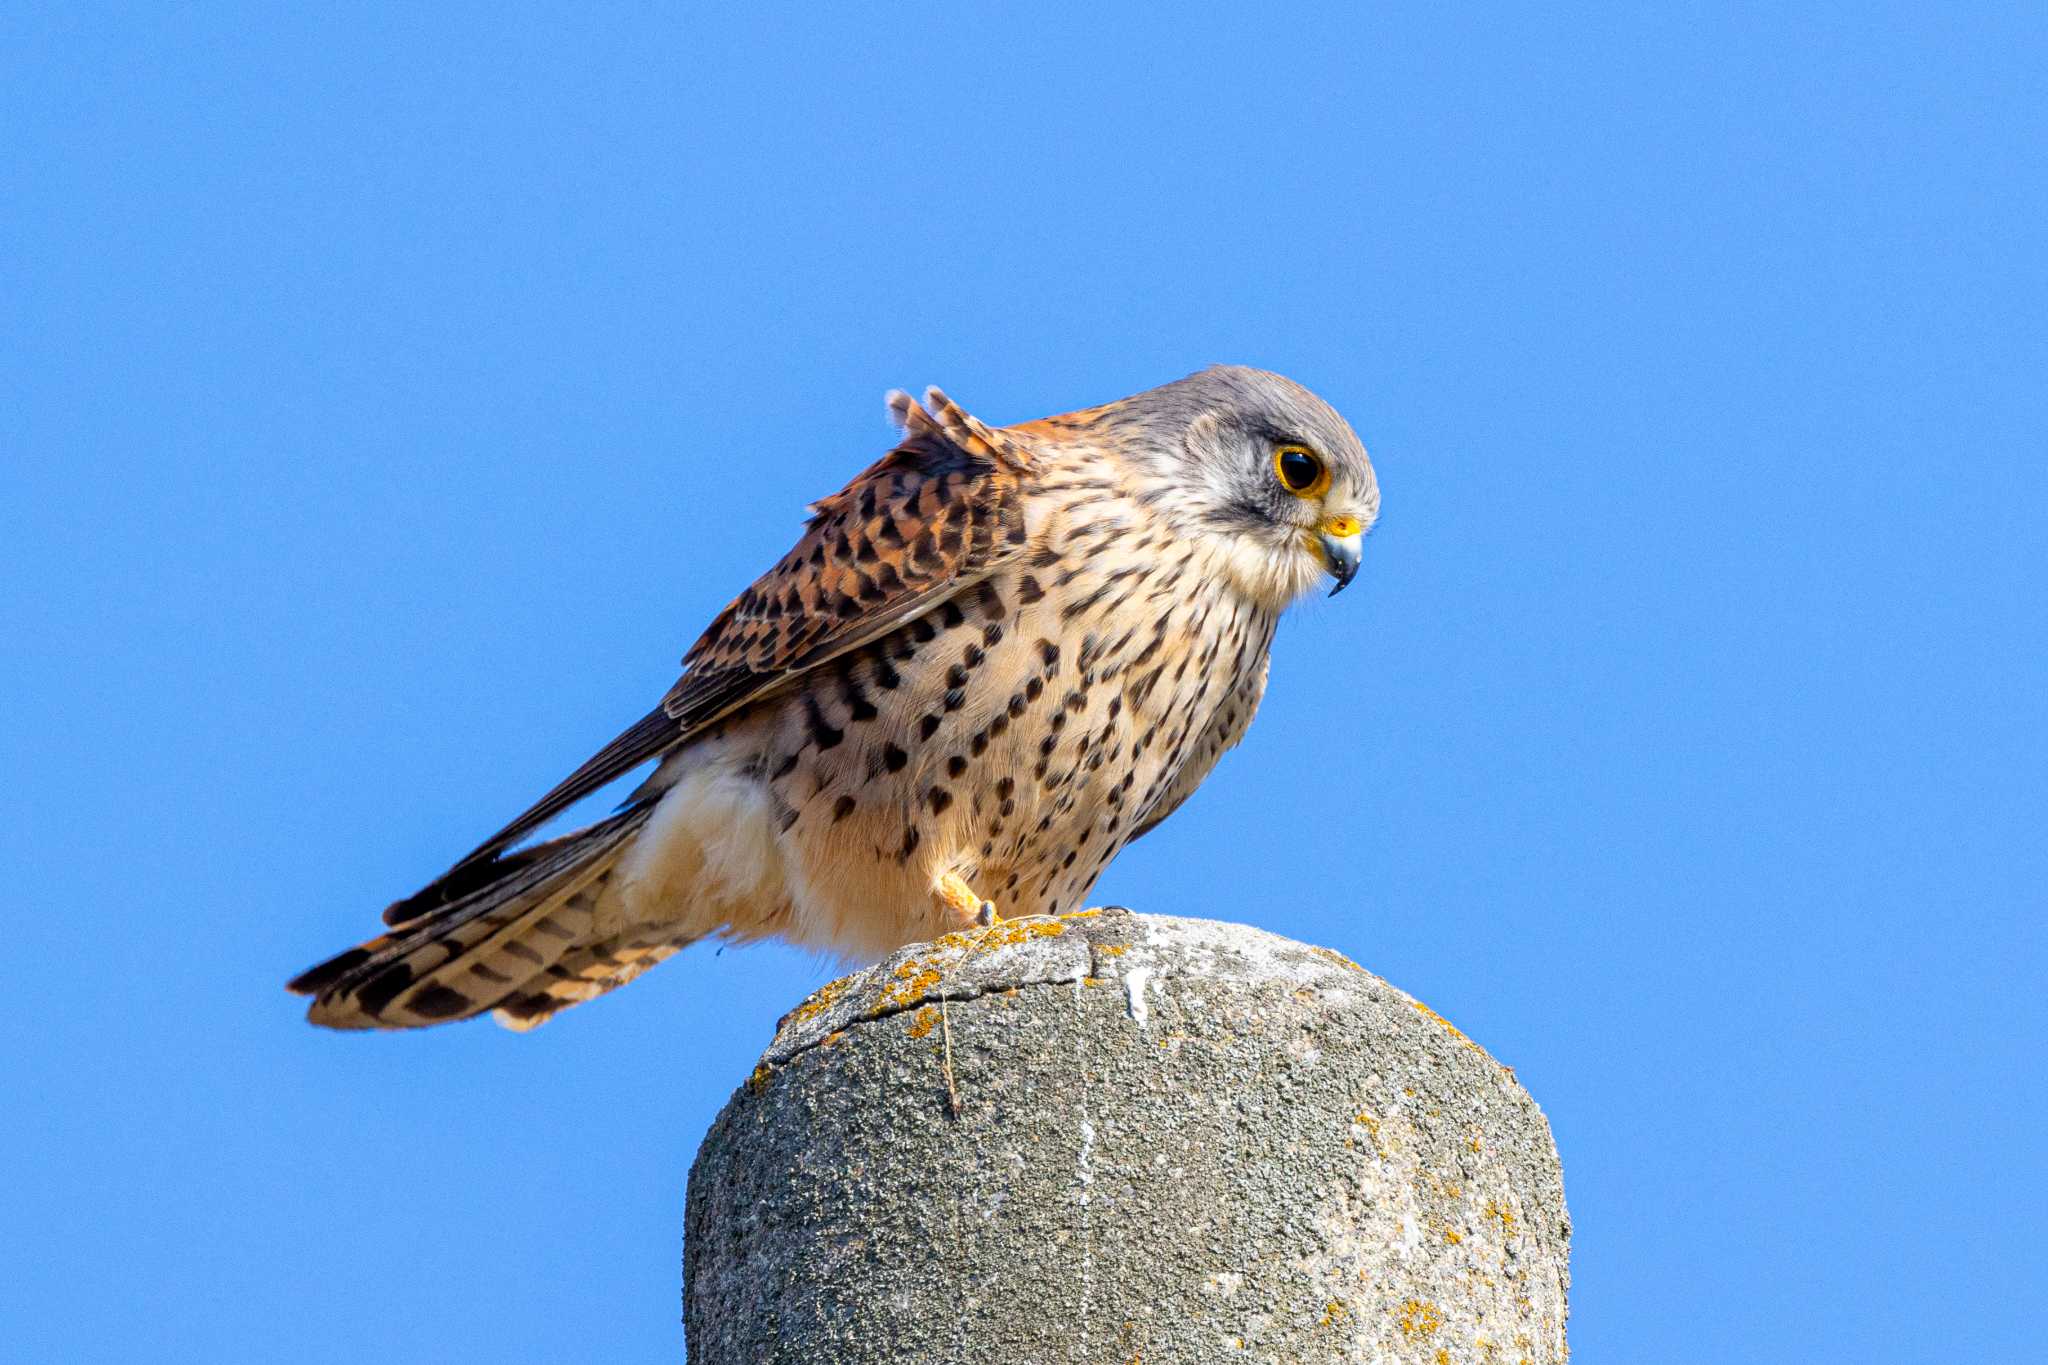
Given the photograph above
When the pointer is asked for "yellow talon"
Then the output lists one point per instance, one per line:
(955, 895)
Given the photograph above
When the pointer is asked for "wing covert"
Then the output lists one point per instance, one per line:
(933, 516)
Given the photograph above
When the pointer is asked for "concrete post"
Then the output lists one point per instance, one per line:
(1124, 1138)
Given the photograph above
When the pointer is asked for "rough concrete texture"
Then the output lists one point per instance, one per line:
(1175, 1140)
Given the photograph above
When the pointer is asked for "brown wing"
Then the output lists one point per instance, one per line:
(933, 516)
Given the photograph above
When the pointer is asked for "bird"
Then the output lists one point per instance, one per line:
(995, 658)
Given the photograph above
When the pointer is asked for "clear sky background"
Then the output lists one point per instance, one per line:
(387, 400)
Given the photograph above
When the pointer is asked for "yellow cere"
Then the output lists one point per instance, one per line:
(1343, 528)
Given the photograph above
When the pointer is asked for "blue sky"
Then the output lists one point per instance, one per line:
(386, 401)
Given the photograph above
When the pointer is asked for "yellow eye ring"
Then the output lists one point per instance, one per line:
(1301, 472)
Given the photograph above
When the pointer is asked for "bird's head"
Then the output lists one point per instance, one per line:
(1263, 470)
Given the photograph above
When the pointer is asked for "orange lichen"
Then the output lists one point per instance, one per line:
(912, 980)
(924, 1021)
(1504, 1215)
(1447, 1026)
(1418, 1319)
(1334, 1312)
(1332, 955)
(758, 1082)
(1115, 949)
(819, 1000)
(1005, 934)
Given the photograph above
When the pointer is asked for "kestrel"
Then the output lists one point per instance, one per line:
(994, 659)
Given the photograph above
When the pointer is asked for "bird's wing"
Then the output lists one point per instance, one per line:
(933, 516)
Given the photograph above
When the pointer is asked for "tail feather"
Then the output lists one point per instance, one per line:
(503, 939)
(585, 974)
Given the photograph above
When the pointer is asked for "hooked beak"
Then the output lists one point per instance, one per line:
(1340, 539)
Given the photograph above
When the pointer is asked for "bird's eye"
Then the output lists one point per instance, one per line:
(1300, 472)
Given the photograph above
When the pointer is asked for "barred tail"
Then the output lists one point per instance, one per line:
(522, 943)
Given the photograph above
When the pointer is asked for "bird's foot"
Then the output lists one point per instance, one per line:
(962, 904)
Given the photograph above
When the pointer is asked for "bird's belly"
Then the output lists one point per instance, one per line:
(1005, 737)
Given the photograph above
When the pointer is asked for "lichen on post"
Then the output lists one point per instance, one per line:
(1112, 1138)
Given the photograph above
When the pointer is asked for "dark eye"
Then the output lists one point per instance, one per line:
(1300, 472)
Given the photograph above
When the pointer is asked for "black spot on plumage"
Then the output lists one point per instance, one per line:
(786, 819)
(885, 674)
(1017, 706)
(847, 608)
(956, 765)
(894, 758)
(1028, 590)
(950, 615)
(956, 676)
(890, 534)
(822, 732)
(978, 745)
(991, 634)
(1050, 653)
(938, 798)
(910, 841)
(783, 769)
(955, 698)
(436, 1001)
(923, 629)
(972, 656)
(1005, 787)
(1033, 688)
(998, 725)
(842, 808)
(380, 990)
(927, 727)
